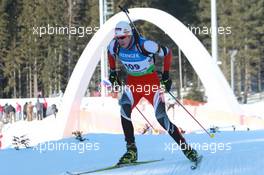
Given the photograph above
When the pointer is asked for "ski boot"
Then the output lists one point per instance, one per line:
(190, 153)
(130, 156)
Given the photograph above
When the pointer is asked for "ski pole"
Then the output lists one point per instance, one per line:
(145, 118)
(211, 135)
(125, 10)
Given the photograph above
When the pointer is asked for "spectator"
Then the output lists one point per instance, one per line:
(34, 116)
(25, 111)
(39, 108)
(18, 111)
(45, 107)
(12, 112)
(30, 111)
(6, 114)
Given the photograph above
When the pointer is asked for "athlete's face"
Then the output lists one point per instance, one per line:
(124, 41)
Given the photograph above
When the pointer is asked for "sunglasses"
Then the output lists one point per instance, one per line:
(121, 37)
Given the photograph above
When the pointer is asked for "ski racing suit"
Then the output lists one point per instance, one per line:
(138, 61)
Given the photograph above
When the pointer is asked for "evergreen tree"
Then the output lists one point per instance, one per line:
(4, 37)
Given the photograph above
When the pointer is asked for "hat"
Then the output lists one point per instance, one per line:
(122, 29)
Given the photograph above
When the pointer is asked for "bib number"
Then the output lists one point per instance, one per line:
(132, 67)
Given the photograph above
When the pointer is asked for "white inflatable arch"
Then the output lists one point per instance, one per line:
(216, 86)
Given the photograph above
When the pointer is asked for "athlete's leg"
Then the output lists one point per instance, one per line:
(163, 119)
(126, 109)
(127, 102)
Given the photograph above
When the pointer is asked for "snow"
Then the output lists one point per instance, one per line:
(254, 109)
(229, 153)
(37, 131)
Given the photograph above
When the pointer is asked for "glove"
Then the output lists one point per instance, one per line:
(166, 81)
(113, 78)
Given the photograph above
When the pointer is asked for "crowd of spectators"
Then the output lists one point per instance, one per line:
(29, 111)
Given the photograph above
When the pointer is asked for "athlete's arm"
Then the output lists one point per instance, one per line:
(111, 56)
(154, 48)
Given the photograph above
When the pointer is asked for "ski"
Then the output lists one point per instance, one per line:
(114, 167)
(196, 164)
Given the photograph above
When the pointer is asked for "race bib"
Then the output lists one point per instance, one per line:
(138, 66)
